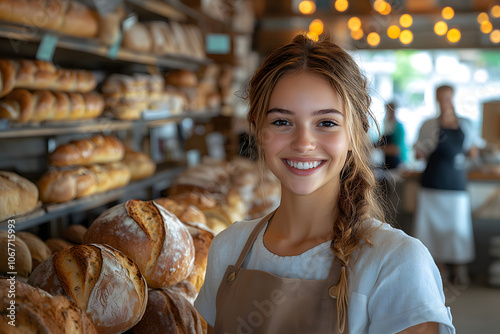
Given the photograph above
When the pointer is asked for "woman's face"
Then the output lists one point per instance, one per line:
(305, 138)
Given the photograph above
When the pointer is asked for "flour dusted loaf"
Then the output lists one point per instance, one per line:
(151, 236)
(169, 312)
(102, 281)
(95, 150)
(18, 195)
(36, 311)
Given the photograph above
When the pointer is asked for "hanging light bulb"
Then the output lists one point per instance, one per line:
(495, 11)
(354, 23)
(447, 13)
(486, 27)
(406, 20)
(495, 36)
(357, 34)
(341, 5)
(453, 35)
(307, 7)
(406, 37)
(440, 28)
(393, 31)
(482, 17)
(373, 39)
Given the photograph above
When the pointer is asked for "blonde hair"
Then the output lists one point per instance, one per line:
(357, 200)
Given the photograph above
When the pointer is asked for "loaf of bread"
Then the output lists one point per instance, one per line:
(36, 74)
(187, 213)
(74, 233)
(151, 236)
(18, 195)
(14, 252)
(110, 25)
(23, 106)
(102, 281)
(95, 150)
(38, 249)
(111, 176)
(168, 312)
(68, 17)
(57, 244)
(140, 164)
(137, 38)
(36, 311)
(181, 78)
(58, 186)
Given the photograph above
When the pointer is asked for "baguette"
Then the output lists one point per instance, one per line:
(95, 150)
(36, 74)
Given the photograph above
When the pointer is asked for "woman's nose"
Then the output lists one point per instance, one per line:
(303, 140)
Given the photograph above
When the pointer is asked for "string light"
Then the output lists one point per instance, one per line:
(341, 5)
(495, 11)
(373, 39)
(316, 27)
(406, 37)
(495, 36)
(486, 27)
(393, 31)
(447, 13)
(406, 20)
(453, 35)
(354, 23)
(482, 17)
(357, 34)
(440, 28)
(307, 7)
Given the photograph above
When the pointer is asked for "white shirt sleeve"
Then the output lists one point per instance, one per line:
(428, 137)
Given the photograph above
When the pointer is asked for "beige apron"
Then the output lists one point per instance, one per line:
(255, 301)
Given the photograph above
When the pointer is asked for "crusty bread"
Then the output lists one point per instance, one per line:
(95, 150)
(36, 311)
(18, 195)
(181, 78)
(79, 20)
(102, 281)
(74, 234)
(168, 312)
(38, 249)
(57, 186)
(151, 236)
(187, 213)
(111, 176)
(140, 164)
(17, 248)
(7, 75)
(137, 38)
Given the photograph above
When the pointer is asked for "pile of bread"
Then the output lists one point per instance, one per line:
(35, 91)
(165, 38)
(137, 267)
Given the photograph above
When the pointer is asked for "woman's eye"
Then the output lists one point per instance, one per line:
(327, 124)
(280, 122)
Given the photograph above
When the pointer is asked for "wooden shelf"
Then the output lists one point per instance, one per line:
(93, 126)
(161, 179)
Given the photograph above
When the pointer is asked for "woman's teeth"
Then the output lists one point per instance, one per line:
(303, 165)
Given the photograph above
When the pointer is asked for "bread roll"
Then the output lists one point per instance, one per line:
(102, 281)
(200, 200)
(36, 311)
(57, 244)
(140, 164)
(95, 150)
(18, 195)
(111, 176)
(15, 247)
(58, 186)
(38, 249)
(168, 312)
(151, 236)
(7, 74)
(187, 213)
(74, 234)
(137, 38)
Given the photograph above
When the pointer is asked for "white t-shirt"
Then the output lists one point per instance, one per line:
(393, 285)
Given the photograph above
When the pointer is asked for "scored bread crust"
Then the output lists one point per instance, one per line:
(151, 236)
(102, 281)
(39, 312)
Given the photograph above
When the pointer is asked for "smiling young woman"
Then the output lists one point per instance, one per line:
(324, 261)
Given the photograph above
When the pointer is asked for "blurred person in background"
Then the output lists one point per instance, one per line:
(443, 219)
(393, 140)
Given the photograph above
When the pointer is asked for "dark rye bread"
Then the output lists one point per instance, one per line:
(151, 236)
(37, 311)
(102, 281)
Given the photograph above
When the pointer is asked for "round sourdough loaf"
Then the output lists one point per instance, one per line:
(169, 312)
(151, 236)
(102, 281)
(36, 311)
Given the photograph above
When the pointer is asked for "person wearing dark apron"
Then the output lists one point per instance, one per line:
(323, 261)
(443, 218)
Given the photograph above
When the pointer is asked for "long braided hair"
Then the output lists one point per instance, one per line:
(356, 201)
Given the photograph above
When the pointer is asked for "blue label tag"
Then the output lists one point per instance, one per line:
(218, 44)
(113, 50)
(47, 48)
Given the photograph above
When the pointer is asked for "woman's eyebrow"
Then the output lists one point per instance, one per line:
(318, 112)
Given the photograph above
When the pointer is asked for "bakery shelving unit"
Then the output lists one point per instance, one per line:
(21, 41)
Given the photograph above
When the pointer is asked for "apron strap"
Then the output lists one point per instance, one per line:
(251, 239)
